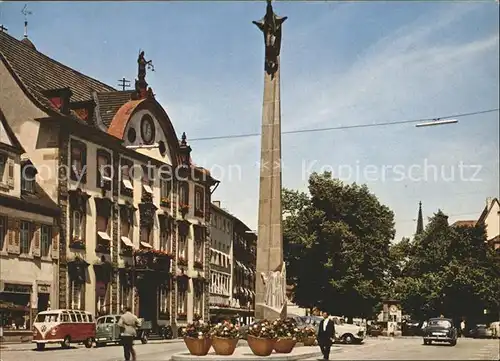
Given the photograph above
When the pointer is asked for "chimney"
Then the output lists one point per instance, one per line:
(217, 203)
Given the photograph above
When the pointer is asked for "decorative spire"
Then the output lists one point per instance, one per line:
(420, 220)
(270, 25)
(185, 151)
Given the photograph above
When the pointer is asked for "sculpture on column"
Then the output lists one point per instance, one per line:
(140, 83)
(275, 287)
(270, 25)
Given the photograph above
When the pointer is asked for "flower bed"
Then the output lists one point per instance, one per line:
(307, 335)
(225, 338)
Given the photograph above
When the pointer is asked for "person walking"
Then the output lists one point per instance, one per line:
(326, 335)
(128, 324)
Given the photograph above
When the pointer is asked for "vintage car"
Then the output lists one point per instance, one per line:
(108, 330)
(348, 333)
(481, 331)
(440, 330)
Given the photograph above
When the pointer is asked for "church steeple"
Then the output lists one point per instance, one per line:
(420, 220)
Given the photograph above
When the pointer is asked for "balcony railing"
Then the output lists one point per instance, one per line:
(153, 260)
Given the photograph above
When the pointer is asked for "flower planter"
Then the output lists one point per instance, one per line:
(198, 346)
(261, 346)
(284, 345)
(224, 346)
(309, 341)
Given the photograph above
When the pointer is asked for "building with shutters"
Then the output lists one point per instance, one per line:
(28, 239)
(134, 207)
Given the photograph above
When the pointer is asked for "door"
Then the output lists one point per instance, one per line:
(148, 304)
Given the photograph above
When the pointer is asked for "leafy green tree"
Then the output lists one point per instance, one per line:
(337, 246)
(449, 270)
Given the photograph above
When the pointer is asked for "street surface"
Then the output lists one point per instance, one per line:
(372, 349)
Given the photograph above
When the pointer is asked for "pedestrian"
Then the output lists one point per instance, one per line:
(326, 335)
(128, 324)
(462, 328)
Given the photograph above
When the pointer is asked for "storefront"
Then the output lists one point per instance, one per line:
(15, 304)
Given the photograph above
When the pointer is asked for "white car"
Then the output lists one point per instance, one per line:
(348, 333)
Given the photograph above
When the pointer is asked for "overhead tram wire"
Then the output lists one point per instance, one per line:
(341, 127)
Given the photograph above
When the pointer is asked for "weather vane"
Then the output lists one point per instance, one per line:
(26, 12)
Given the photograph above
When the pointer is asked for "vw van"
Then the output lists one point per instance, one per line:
(64, 327)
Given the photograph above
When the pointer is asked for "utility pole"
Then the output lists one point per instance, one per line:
(124, 83)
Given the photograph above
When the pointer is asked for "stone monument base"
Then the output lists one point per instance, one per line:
(244, 353)
(269, 313)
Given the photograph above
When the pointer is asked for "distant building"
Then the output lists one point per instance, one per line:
(244, 252)
(490, 218)
(221, 263)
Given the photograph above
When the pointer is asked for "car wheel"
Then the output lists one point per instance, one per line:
(66, 342)
(144, 339)
(40, 346)
(88, 342)
(453, 343)
(348, 339)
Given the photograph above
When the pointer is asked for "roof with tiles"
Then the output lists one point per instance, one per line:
(110, 102)
(50, 74)
(464, 223)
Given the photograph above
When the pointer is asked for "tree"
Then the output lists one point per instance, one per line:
(336, 244)
(450, 271)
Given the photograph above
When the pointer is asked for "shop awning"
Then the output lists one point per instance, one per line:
(127, 242)
(146, 245)
(104, 236)
(147, 188)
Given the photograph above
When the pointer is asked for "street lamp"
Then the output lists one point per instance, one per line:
(437, 122)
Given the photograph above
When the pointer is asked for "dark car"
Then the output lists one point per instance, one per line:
(411, 328)
(440, 330)
(481, 331)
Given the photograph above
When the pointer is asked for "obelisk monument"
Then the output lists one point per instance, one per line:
(270, 301)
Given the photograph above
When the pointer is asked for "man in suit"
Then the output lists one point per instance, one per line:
(326, 335)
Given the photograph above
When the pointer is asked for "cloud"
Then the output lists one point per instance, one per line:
(412, 72)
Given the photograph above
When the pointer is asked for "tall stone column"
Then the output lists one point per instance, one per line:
(270, 302)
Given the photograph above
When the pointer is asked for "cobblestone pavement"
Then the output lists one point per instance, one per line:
(372, 349)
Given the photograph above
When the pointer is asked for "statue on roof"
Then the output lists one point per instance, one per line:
(143, 63)
(270, 25)
(140, 83)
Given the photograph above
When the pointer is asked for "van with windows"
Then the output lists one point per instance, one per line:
(64, 327)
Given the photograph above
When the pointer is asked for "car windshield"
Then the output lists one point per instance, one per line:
(47, 317)
(440, 323)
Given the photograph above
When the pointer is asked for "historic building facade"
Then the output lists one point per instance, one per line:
(28, 239)
(244, 254)
(134, 208)
(221, 262)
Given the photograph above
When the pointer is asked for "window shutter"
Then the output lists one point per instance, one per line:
(16, 248)
(35, 233)
(10, 172)
(55, 242)
(84, 163)
(10, 235)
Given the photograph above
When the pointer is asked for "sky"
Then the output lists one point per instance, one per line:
(341, 64)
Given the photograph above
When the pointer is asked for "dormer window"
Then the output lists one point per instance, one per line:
(104, 170)
(28, 175)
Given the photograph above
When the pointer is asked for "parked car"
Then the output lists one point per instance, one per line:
(440, 330)
(481, 331)
(411, 328)
(108, 330)
(348, 333)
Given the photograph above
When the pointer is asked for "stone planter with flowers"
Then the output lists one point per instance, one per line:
(197, 338)
(261, 337)
(307, 336)
(286, 335)
(225, 338)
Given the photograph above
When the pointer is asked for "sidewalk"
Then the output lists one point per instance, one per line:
(23, 346)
